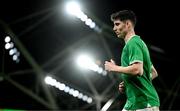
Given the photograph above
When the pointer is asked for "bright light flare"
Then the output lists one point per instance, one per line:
(7, 39)
(85, 61)
(71, 91)
(73, 8)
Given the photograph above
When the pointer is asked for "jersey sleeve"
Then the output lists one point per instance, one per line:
(135, 52)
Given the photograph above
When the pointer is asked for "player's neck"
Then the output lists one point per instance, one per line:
(129, 35)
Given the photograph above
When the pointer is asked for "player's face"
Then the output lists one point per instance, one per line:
(120, 28)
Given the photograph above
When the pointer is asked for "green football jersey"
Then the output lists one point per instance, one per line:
(140, 91)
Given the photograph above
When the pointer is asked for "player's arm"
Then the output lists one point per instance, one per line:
(154, 72)
(134, 69)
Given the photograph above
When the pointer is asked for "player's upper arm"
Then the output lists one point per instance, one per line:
(137, 68)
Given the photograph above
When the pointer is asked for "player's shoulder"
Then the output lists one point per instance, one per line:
(135, 40)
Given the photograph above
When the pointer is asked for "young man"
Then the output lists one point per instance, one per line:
(136, 68)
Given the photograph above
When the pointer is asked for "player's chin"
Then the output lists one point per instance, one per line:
(119, 36)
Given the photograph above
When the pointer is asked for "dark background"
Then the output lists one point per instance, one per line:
(53, 39)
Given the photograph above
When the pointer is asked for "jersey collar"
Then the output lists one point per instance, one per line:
(130, 38)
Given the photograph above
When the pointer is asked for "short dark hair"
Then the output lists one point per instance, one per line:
(124, 15)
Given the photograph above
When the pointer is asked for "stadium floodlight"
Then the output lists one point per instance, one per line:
(89, 100)
(9, 45)
(67, 89)
(86, 62)
(7, 39)
(73, 8)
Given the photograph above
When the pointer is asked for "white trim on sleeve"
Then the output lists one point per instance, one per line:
(136, 61)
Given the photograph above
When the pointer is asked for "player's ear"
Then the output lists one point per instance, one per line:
(128, 23)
